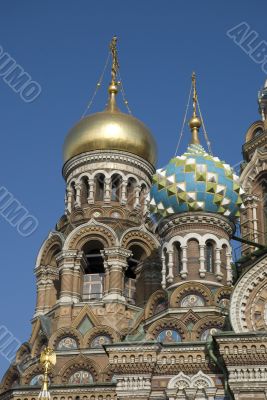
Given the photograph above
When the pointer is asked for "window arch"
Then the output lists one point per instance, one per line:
(210, 256)
(143, 195)
(99, 187)
(84, 190)
(131, 185)
(177, 252)
(73, 193)
(138, 255)
(93, 270)
(115, 187)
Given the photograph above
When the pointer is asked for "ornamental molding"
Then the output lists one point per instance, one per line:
(241, 295)
(52, 239)
(185, 220)
(80, 162)
(79, 235)
(140, 234)
(253, 169)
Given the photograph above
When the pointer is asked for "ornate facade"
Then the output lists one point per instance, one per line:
(137, 293)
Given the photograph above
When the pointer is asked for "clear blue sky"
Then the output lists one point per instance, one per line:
(63, 46)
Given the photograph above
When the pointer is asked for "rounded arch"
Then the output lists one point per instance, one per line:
(222, 293)
(206, 323)
(167, 323)
(140, 236)
(64, 332)
(80, 362)
(23, 352)
(53, 239)
(12, 375)
(253, 129)
(153, 301)
(34, 370)
(91, 229)
(188, 288)
(101, 330)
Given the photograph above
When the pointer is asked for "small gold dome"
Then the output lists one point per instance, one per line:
(110, 130)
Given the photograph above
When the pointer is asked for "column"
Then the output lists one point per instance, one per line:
(170, 266)
(106, 278)
(78, 269)
(123, 191)
(229, 275)
(48, 290)
(218, 271)
(202, 269)
(91, 199)
(163, 282)
(69, 199)
(107, 190)
(116, 262)
(40, 301)
(66, 262)
(255, 222)
(137, 196)
(184, 270)
(78, 188)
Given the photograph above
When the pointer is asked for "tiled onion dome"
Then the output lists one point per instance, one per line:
(196, 181)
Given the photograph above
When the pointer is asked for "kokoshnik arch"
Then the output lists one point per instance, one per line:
(137, 295)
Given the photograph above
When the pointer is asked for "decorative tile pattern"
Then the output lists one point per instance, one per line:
(196, 181)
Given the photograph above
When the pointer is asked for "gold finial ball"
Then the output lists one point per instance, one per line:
(113, 88)
(195, 122)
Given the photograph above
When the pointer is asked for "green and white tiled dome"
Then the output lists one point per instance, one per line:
(196, 181)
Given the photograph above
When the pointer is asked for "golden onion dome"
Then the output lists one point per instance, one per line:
(110, 130)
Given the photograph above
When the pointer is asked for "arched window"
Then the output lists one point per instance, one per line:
(143, 195)
(130, 274)
(74, 193)
(131, 185)
(115, 187)
(209, 256)
(99, 187)
(94, 270)
(177, 252)
(257, 132)
(84, 190)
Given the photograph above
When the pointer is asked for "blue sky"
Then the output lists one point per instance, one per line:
(63, 45)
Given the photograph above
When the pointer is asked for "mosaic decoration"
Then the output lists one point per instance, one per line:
(37, 380)
(196, 181)
(169, 336)
(67, 343)
(81, 378)
(99, 341)
(192, 300)
(208, 332)
(160, 306)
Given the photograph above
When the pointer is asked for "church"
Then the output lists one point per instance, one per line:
(138, 296)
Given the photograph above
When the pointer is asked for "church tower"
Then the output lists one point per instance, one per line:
(135, 281)
(254, 178)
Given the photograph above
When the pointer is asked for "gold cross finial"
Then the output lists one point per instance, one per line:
(113, 87)
(115, 61)
(194, 94)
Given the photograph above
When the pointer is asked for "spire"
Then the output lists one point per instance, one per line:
(194, 122)
(47, 359)
(113, 87)
(262, 100)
